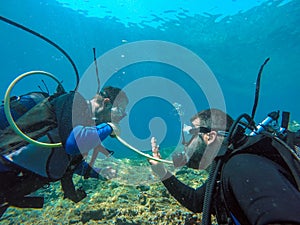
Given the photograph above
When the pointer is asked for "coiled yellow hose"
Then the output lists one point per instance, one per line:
(10, 118)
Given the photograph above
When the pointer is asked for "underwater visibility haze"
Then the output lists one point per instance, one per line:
(173, 58)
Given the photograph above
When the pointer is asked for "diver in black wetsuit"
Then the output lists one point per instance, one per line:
(255, 185)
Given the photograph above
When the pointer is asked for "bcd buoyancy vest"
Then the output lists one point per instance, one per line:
(283, 152)
(59, 116)
(62, 112)
(33, 116)
(19, 105)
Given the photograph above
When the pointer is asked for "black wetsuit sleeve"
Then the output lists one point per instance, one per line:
(189, 197)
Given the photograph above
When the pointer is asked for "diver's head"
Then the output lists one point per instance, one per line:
(109, 105)
(207, 134)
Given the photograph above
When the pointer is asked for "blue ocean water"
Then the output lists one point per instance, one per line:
(233, 38)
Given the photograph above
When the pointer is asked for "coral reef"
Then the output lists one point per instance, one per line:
(134, 197)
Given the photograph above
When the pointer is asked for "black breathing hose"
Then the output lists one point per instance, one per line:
(217, 163)
(210, 187)
(258, 88)
(48, 41)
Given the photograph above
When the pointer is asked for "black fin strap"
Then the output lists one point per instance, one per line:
(27, 202)
(69, 189)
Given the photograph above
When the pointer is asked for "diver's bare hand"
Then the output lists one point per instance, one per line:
(156, 166)
(108, 173)
(155, 151)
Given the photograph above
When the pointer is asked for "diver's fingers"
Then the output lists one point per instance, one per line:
(155, 148)
(153, 141)
(154, 144)
(155, 152)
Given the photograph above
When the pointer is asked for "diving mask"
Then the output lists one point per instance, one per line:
(195, 154)
(118, 111)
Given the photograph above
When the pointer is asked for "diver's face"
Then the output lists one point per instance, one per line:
(104, 111)
(196, 147)
(195, 152)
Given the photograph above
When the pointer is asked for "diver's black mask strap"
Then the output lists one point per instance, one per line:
(194, 132)
(205, 130)
(201, 130)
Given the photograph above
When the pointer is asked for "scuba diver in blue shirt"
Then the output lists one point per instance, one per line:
(81, 125)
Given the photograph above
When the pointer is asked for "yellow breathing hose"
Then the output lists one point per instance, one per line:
(141, 153)
(52, 145)
(10, 118)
